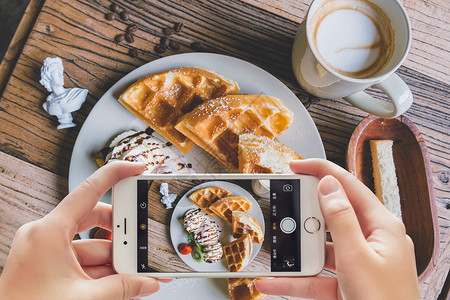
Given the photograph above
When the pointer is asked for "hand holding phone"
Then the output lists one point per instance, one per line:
(221, 225)
(371, 253)
(44, 262)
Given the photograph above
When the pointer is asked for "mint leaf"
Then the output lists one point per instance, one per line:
(191, 238)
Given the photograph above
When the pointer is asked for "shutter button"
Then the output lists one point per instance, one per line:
(288, 225)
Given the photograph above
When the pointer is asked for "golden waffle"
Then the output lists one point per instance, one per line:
(159, 99)
(225, 206)
(216, 124)
(243, 289)
(259, 154)
(204, 197)
(237, 253)
(246, 224)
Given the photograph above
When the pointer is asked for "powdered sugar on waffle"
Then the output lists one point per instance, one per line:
(268, 153)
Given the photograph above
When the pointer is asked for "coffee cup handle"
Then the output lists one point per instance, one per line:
(397, 91)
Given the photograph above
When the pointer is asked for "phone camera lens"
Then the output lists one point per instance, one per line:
(125, 242)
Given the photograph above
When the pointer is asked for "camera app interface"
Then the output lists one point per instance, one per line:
(218, 226)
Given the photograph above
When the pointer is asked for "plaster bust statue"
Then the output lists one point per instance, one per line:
(61, 102)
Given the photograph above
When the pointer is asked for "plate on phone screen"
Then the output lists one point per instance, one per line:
(109, 118)
(179, 235)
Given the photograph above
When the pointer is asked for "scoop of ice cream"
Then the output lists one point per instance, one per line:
(208, 234)
(157, 155)
(193, 220)
(213, 253)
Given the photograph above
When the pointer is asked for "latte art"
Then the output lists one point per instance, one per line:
(353, 37)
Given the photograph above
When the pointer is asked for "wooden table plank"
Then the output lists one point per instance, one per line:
(27, 193)
(430, 23)
(18, 41)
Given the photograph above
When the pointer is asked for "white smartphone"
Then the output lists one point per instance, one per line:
(279, 230)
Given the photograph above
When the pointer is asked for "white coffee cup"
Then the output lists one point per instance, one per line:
(346, 46)
(261, 188)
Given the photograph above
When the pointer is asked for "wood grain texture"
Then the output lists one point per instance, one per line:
(78, 32)
(27, 193)
(18, 41)
(430, 23)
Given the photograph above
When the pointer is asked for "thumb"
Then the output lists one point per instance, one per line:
(123, 287)
(340, 217)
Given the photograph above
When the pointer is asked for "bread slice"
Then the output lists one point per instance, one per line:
(386, 186)
(260, 154)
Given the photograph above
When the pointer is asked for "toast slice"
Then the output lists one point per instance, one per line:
(385, 177)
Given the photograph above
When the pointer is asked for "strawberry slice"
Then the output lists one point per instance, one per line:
(184, 248)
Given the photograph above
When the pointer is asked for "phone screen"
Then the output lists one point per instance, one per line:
(243, 225)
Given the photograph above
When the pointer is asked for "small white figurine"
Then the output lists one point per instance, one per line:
(61, 102)
(167, 199)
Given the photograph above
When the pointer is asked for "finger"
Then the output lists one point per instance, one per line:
(340, 217)
(307, 287)
(164, 280)
(96, 272)
(330, 259)
(100, 216)
(93, 252)
(120, 286)
(370, 211)
(77, 205)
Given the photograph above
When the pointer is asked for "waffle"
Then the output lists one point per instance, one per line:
(259, 154)
(246, 224)
(243, 289)
(204, 197)
(225, 206)
(159, 99)
(237, 253)
(216, 124)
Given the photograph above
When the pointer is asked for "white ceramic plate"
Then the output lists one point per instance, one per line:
(178, 235)
(109, 118)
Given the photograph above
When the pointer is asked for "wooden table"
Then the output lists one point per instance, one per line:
(35, 156)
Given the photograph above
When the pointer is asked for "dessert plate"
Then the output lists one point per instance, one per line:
(179, 235)
(109, 118)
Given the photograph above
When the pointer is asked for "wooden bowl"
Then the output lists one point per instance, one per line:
(414, 180)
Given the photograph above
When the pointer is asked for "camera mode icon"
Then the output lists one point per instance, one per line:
(287, 188)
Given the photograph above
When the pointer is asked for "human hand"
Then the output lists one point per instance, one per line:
(45, 263)
(371, 253)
